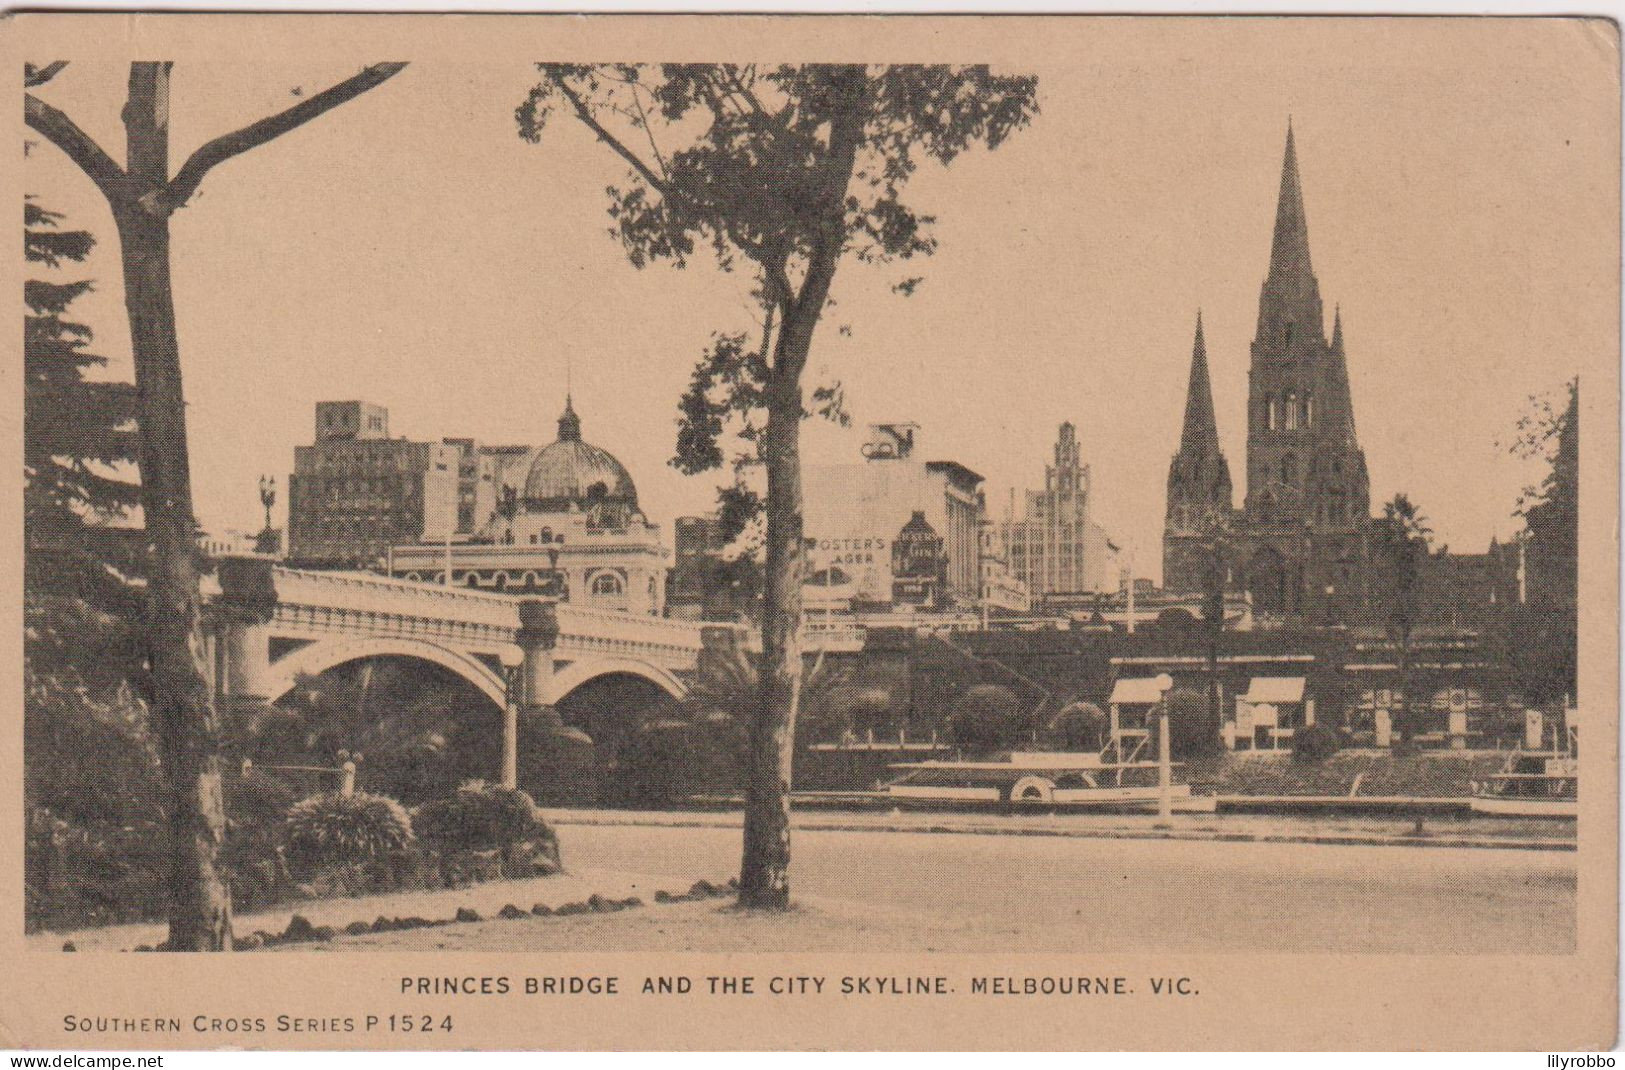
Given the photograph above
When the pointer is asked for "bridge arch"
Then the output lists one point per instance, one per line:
(325, 654)
(575, 674)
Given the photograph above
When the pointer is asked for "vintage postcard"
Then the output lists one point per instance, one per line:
(604, 532)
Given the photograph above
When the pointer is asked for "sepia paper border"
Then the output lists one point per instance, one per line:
(1273, 1001)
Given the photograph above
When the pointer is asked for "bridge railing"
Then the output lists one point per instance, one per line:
(380, 594)
(606, 625)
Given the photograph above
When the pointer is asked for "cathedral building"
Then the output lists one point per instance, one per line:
(1299, 545)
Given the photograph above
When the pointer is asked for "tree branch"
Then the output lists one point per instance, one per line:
(79, 146)
(587, 118)
(180, 188)
(643, 120)
(36, 76)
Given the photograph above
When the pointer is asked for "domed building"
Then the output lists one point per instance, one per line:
(562, 519)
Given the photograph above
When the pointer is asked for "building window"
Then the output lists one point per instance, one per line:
(606, 583)
(1291, 412)
(1289, 470)
(1308, 408)
(1269, 412)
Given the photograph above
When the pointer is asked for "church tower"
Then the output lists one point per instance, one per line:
(1298, 545)
(1308, 496)
(1199, 489)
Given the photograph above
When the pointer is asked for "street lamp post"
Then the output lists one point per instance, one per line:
(1165, 771)
(512, 658)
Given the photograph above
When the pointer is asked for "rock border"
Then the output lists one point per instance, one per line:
(300, 930)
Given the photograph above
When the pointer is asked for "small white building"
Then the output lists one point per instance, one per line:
(1273, 710)
(1132, 706)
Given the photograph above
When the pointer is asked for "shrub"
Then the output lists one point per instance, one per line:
(1078, 726)
(1193, 731)
(483, 824)
(481, 817)
(257, 802)
(986, 718)
(256, 811)
(1316, 743)
(347, 829)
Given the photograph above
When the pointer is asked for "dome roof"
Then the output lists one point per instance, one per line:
(571, 471)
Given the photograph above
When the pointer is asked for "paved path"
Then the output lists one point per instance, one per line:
(1010, 882)
(869, 891)
(575, 886)
(1367, 830)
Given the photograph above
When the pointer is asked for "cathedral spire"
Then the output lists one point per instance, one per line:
(1337, 330)
(1201, 431)
(1290, 251)
(1289, 307)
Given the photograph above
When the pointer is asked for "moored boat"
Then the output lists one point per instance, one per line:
(1043, 779)
(1531, 784)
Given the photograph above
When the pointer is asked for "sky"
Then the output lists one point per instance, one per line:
(411, 250)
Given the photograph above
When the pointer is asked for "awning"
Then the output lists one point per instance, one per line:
(1275, 689)
(1131, 692)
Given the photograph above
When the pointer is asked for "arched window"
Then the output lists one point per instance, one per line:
(607, 583)
(1289, 470)
(473, 579)
(1291, 411)
(1269, 412)
(501, 583)
(1308, 408)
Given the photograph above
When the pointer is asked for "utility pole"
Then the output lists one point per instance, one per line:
(1165, 765)
(1217, 577)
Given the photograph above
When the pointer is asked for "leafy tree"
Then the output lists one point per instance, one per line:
(78, 433)
(91, 781)
(420, 730)
(1193, 730)
(143, 194)
(782, 172)
(1546, 627)
(727, 679)
(78, 439)
(1402, 543)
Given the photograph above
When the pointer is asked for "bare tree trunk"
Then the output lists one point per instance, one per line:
(183, 707)
(142, 196)
(764, 871)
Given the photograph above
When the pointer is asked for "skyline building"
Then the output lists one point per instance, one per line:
(563, 519)
(355, 491)
(1055, 548)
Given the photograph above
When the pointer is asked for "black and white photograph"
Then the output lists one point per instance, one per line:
(939, 509)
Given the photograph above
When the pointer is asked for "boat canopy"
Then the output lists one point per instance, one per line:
(1274, 690)
(1135, 692)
